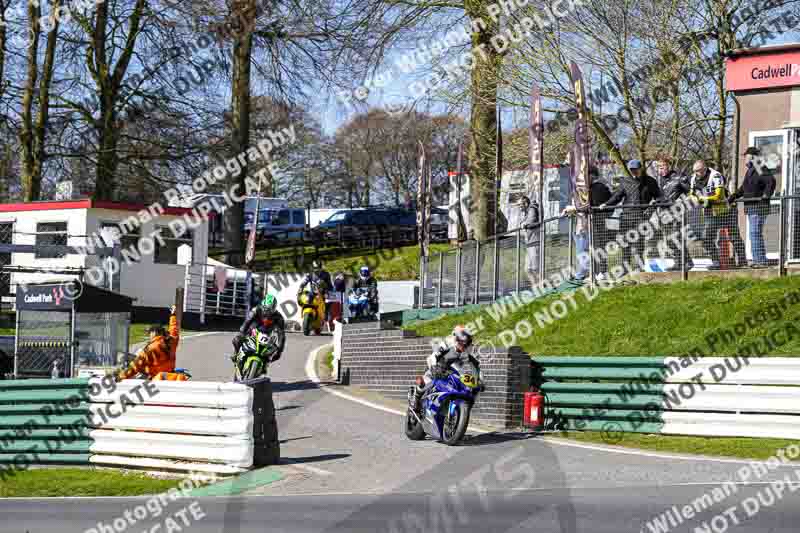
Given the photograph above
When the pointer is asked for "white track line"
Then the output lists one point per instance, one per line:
(311, 373)
(306, 468)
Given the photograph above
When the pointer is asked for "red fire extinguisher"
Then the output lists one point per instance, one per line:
(534, 410)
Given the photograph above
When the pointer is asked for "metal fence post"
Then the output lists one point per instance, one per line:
(422, 266)
(458, 275)
(495, 273)
(782, 237)
(590, 223)
(517, 277)
(684, 244)
(187, 284)
(441, 276)
(203, 290)
(571, 250)
(18, 312)
(477, 298)
(542, 251)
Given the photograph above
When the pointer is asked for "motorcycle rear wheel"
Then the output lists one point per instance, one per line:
(453, 430)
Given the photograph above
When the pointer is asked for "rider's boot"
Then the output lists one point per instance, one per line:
(416, 403)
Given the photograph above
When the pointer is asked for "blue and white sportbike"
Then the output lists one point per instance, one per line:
(358, 304)
(446, 405)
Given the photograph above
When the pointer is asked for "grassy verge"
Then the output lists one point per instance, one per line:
(656, 320)
(327, 357)
(395, 264)
(47, 482)
(742, 448)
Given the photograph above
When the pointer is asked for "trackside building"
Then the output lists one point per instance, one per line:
(156, 243)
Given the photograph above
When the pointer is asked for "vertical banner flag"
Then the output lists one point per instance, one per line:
(461, 232)
(536, 143)
(498, 172)
(422, 202)
(581, 185)
(428, 201)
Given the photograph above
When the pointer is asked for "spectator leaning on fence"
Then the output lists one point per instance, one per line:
(530, 222)
(709, 186)
(582, 227)
(673, 187)
(640, 189)
(758, 186)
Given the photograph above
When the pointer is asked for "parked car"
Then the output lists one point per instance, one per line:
(388, 217)
(281, 224)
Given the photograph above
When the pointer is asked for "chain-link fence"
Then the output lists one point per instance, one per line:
(683, 236)
(6, 237)
(101, 339)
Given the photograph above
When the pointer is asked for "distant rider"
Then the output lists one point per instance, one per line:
(265, 318)
(323, 280)
(439, 362)
(367, 281)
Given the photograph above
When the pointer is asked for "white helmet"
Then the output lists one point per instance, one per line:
(462, 335)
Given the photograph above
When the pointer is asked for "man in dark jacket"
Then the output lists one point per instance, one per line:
(638, 190)
(368, 282)
(756, 189)
(673, 187)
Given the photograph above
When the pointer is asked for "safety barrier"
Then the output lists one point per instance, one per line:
(225, 428)
(207, 424)
(734, 396)
(43, 421)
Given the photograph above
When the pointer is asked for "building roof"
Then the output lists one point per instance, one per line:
(774, 49)
(85, 203)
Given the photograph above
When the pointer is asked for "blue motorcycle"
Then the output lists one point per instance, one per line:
(358, 304)
(446, 406)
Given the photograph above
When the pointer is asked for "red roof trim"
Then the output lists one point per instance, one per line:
(45, 206)
(85, 203)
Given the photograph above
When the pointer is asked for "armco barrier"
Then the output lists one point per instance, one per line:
(223, 428)
(732, 396)
(44, 421)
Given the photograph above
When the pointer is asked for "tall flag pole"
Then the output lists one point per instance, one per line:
(461, 231)
(582, 178)
(499, 171)
(423, 215)
(536, 143)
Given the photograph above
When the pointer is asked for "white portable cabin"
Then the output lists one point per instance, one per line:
(148, 275)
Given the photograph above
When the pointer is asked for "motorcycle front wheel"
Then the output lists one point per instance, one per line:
(455, 423)
(307, 324)
(252, 370)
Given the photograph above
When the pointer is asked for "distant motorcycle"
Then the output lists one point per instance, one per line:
(312, 308)
(358, 303)
(446, 406)
(254, 355)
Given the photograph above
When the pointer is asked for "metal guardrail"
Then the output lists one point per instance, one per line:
(703, 238)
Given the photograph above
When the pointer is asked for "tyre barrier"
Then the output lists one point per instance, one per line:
(735, 396)
(178, 426)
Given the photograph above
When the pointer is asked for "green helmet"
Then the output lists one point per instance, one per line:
(269, 303)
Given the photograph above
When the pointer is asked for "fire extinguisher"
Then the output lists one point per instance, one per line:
(534, 409)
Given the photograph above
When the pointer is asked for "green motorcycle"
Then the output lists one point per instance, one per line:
(255, 354)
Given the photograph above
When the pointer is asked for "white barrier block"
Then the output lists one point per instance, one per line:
(179, 393)
(731, 425)
(226, 450)
(164, 464)
(750, 371)
(745, 398)
(236, 422)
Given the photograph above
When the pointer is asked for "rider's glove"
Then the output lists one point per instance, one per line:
(237, 341)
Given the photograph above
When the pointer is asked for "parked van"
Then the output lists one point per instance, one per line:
(283, 224)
